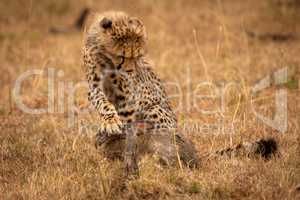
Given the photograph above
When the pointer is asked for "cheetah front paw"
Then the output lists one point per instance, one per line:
(111, 126)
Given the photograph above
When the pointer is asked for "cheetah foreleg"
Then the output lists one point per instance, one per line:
(110, 121)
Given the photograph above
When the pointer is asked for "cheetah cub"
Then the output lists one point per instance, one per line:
(125, 90)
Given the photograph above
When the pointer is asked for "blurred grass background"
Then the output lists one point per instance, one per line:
(41, 158)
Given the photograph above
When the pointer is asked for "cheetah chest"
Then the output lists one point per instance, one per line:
(118, 87)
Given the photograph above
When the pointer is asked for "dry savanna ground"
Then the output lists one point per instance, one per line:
(229, 45)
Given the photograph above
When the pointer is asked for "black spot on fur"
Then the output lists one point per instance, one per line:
(95, 85)
(266, 147)
(121, 98)
(105, 108)
(154, 116)
(120, 88)
(106, 23)
(126, 114)
(96, 78)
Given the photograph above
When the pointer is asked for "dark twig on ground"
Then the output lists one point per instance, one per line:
(77, 26)
(276, 37)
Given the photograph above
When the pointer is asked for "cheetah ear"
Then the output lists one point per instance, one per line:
(106, 23)
(138, 25)
(135, 22)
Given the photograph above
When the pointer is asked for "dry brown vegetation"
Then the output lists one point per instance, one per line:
(42, 158)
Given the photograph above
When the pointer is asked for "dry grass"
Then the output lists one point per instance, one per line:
(41, 158)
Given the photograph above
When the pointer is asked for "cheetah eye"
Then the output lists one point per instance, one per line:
(106, 23)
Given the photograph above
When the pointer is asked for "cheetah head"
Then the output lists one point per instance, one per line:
(120, 35)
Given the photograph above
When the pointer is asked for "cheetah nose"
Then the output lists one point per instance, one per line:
(106, 23)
